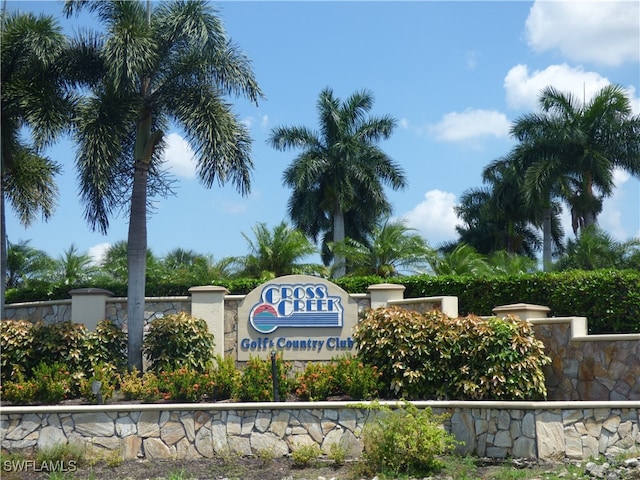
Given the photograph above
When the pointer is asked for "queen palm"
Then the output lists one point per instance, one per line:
(338, 179)
(152, 66)
(571, 148)
(34, 97)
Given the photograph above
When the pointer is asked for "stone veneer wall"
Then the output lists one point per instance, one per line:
(538, 430)
(588, 367)
(49, 311)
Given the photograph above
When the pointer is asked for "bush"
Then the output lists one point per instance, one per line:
(19, 391)
(61, 342)
(136, 387)
(178, 340)
(186, 385)
(345, 375)
(431, 355)
(53, 382)
(16, 344)
(256, 383)
(108, 378)
(227, 377)
(106, 347)
(405, 441)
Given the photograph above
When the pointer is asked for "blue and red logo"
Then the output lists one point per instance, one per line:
(296, 305)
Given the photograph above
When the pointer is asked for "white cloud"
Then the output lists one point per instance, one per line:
(403, 123)
(264, 123)
(233, 208)
(458, 126)
(434, 217)
(179, 156)
(523, 89)
(97, 252)
(604, 32)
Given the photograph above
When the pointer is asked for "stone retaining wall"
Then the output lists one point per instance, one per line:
(536, 430)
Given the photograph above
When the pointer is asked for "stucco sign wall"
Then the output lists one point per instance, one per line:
(304, 317)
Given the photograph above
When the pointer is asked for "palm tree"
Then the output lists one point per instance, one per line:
(114, 262)
(340, 170)
(391, 249)
(189, 266)
(571, 149)
(594, 249)
(499, 216)
(34, 98)
(25, 264)
(74, 267)
(462, 260)
(277, 252)
(152, 66)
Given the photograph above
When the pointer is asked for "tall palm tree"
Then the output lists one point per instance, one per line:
(34, 97)
(277, 252)
(571, 149)
(499, 216)
(172, 62)
(391, 249)
(338, 178)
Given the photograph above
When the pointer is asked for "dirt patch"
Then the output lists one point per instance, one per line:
(244, 468)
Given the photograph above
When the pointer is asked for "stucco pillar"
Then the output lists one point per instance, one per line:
(88, 306)
(382, 293)
(524, 311)
(207, 303)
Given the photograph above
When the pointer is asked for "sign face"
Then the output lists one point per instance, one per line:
(300, 316)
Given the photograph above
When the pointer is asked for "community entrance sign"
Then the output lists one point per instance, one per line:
(303, 317)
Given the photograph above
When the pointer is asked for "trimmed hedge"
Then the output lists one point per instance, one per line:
(610, 299)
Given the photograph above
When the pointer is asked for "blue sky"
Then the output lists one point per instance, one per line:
(454, 75)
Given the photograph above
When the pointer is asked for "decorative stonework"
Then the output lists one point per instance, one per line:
(547, 431)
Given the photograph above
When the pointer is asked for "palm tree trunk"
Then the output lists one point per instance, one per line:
(338, 236)
(3, 250)
(137, 239)
(546, 239)
(137, 266)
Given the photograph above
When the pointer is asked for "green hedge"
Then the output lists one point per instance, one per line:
(610, 299)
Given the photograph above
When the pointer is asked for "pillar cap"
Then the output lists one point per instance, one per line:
(209, 289)
(91, 291)
(387, 286)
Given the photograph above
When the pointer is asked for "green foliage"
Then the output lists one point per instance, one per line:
(61, 342)
(63, 455)
(344, 375)
(106, 346)
(304, 455)
(108, 378)
(227, 377)
(405, 441)
(186, 385)
(19, 391)
(136, 387)
(178, 340)
(53, 382)
(16, 344)
(431, 355)
(256, 384)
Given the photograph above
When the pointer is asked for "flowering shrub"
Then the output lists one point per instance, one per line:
(345, 375)
(53, 382)
(136, 387)
(256, 384)
(19, 390)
